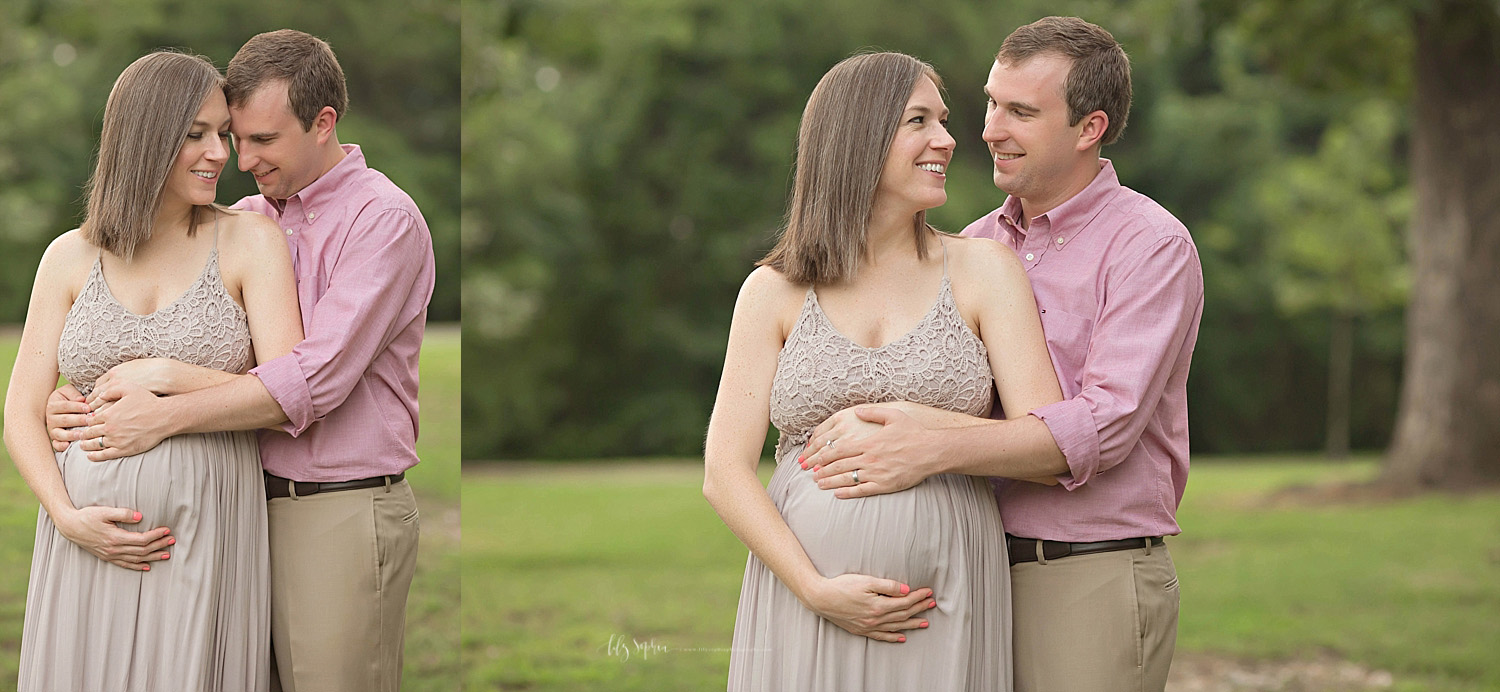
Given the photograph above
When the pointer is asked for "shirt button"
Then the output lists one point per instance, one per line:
(312, 215)
(1030, 257)
(1059, 241)
(288, 231)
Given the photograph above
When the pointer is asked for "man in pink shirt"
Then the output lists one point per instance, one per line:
(343, 522)
(1120, 290)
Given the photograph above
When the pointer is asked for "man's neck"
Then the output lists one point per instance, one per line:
(329, 155)
(1078, 179)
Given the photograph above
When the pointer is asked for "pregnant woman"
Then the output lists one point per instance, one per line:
(156, 270)
(861, 301)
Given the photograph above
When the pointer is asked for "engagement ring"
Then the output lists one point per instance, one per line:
(854, 475)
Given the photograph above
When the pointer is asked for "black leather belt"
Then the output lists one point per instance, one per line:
(276, 486)
(1024, 549)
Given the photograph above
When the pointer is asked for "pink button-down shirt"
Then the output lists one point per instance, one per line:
(1120, 290)
(363, 259)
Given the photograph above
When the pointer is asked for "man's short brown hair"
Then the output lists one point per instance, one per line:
(305, 62)
(1099, 77)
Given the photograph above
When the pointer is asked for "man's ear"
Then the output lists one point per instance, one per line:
(324, 123)
(1092, 135)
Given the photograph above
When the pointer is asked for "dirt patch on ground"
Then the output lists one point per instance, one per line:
(1210, 673)
(1359, 494)
(613, 471)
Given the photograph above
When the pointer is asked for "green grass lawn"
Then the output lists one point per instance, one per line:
(560, 564)
(432, 652)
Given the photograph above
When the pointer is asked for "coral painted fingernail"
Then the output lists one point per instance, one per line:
(819, 466)
(902, 640)
(802, 459)
(923, 625)
(165, 556)
(137, 516)
(932, 604)
(171, 541)
(146, 568)
(905, 589)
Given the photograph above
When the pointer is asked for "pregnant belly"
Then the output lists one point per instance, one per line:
(171, 484)
(912, 536)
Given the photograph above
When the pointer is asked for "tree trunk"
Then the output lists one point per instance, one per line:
(1340, 360)
(1448, 427)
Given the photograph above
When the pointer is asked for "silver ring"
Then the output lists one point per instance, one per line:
(828, 444)
(855, 476)
(100, 442)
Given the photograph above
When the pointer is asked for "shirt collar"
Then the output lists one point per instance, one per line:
(327, 187)
(1067, 219)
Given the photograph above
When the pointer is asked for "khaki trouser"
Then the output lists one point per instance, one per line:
(341, 566)
(1098, 623)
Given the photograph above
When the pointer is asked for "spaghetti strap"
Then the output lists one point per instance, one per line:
(944, 245)
(215, 212)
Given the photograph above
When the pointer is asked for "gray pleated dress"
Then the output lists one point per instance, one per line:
(945, 533)
(200, 620)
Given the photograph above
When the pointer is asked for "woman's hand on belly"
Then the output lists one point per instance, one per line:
(95, 529)
(880, 609)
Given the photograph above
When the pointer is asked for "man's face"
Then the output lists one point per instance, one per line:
(1032, 146)
(270, 143)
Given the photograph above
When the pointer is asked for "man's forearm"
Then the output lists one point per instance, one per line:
(242, 403)
(1020, 448)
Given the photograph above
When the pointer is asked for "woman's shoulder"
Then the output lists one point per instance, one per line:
(245, 224)
(771, 281)
(70, 251)
(72, 244)
(981, 259)
(248, 233)
(767, 293)
(67, 261)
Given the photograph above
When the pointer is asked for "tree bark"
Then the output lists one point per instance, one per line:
(1448, 426)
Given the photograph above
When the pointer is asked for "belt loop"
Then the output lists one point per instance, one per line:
(291, 487)
(1041, 557)
(387, 483)
(1148, 545)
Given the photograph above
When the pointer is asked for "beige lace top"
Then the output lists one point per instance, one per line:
(203, 327)
(939, 363)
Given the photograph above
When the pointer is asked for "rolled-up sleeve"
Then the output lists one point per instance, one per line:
(369, 300)
(1145, 316)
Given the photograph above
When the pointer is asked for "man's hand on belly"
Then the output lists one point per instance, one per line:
(891, 459)
(127, 420)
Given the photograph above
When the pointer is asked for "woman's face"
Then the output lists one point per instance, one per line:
(194, 178)
(917, 165)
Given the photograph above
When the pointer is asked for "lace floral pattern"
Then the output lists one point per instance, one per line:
(939, 363)
(203, 327)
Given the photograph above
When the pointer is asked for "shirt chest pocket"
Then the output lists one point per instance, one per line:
(1068, 338)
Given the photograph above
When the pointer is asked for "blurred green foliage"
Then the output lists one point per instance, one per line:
(627, 162)
(58, 59)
